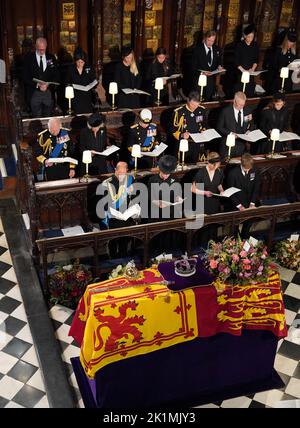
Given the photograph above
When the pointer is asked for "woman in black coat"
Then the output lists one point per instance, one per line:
(127, 75)
(81, 74)
(211, 179)
(160, 68)
(94, 138)
(246, 59)
(284, 55)
(274, 116)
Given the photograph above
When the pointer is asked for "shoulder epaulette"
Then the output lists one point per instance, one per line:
(45, 130)
(66, 129)
(134, 126)
(180, 107)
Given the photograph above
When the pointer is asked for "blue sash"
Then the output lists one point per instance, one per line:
(57, 150)
(117, 204)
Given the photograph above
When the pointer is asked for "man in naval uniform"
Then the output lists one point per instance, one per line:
(52, 143)
(189, 119)
(145, 134)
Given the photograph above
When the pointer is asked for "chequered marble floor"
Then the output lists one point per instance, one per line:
(287, 361)
(21, 383)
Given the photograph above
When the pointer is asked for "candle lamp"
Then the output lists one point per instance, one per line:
(230, 142)
(69, 94)
(87, 159)
(159, 85)
(183, 148)
(202, 82)
(113, 90)
(275, 136)
(284, 74)
(245, 79)
(136, 153)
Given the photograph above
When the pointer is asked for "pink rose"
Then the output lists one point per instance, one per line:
(235, 258)
(247, 262)
(213, 264)
(243, 253)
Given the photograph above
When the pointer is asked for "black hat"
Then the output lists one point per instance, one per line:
(167, 164)
(126, 50)
(292, 36)
(95, 120)
(79, 54)
(249, 29)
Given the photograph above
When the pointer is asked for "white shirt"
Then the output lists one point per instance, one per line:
(236, 112)
(38, 58)
(212, 54)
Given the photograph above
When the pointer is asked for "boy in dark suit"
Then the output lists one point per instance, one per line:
(207, 57)
(235, 119)
(245, 178)
(41, 66)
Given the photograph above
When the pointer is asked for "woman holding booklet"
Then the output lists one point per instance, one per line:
(210, 178)
(276, 115)
(94, 138)
(81, 76)
(128, 76)
(246, 59)
(160, 68)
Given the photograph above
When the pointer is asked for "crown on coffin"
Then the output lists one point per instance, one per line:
(185, 267)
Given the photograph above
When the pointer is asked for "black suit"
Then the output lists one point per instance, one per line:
(41, 102)
(200, 62)
(227, 124)
(249, 185)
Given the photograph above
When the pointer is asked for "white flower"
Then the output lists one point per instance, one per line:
(68, 268)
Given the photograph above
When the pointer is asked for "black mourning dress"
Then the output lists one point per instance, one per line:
(126, 79)
(211, 205)
(88, 141)
(83, 100)
(246, 56)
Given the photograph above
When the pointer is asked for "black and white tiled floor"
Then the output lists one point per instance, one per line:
(287, 361)
(21, 383)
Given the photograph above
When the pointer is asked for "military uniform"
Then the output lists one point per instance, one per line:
(185, 120)
(49, 146)
(147, 138)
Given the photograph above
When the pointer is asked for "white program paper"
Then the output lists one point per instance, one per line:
(212, 73)
(294, 65)
(133, 211)
(85, 88)
(63, 160)
(205, 136)
(169, 204)
(73, 231)
(257, 73)
(228, 192)
(174, 76)
(45, 83)
(253, 136)
(109, 151)
(128, 91)
(288, 136)
(259, 89)
(157, 151)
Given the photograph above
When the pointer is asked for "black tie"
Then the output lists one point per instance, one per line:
(240, 119)
(41, 65)
(209, 60)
